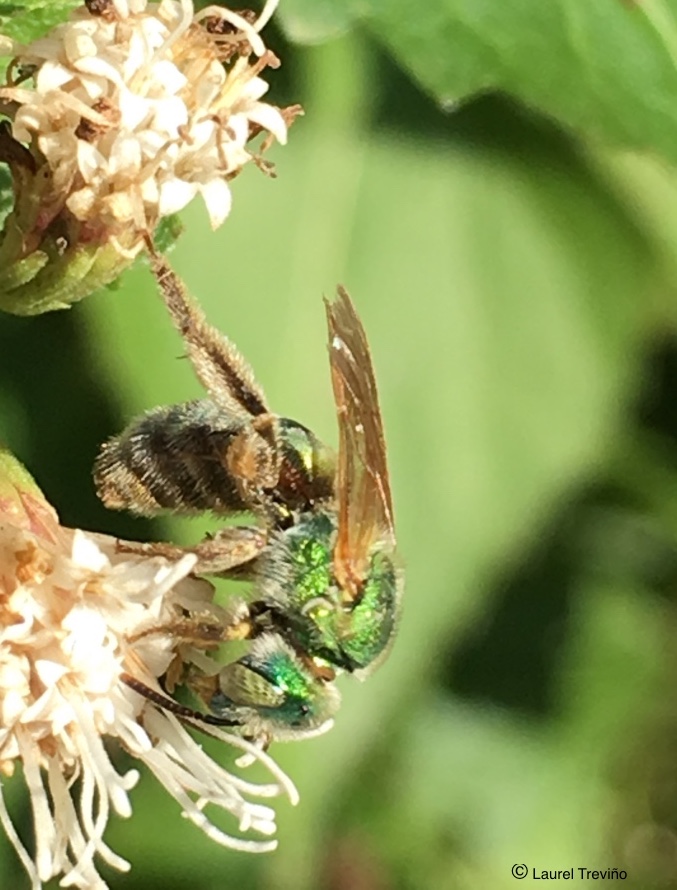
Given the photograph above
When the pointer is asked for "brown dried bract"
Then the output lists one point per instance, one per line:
(229, 39)
(89, 130)
(103, 8)
(215, 24)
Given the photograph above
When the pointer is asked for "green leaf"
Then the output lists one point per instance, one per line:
(315, 21)
(6, 194)
(33, 18)
(483, 789)
(505, 299)
(607, 69)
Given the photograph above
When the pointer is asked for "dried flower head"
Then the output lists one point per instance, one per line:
(73, 615)
(134, 109)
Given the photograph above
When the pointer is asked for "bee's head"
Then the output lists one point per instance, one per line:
(277, 695)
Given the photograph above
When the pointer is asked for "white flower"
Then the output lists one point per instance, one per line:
(138, 106)
(73, 614)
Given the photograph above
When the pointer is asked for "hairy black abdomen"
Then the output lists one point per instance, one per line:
(172, 458)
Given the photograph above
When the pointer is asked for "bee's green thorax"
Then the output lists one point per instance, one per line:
(347, 635)
(310, 551)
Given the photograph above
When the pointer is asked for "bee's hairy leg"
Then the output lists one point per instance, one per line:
(218, 364)
(231, 552)
(253, 459)
(205, 630)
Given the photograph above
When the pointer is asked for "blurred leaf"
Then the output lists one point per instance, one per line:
(608, 69)
(506, 297)
(505, 301)
(32, 18)
(14, 794)
(312, 21)
(649, 186)
(6, 194)
(483, 790)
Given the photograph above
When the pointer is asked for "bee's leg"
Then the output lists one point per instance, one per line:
(204, 630)
(253, 461)
(252, 458)
(218, 364)
(231, 552)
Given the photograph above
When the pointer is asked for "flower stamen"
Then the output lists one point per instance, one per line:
(75, 618)
(135, 109)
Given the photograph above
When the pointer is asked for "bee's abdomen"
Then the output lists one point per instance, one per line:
(172, 458)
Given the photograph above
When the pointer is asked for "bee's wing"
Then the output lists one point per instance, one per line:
(218, 364)
(365, 513)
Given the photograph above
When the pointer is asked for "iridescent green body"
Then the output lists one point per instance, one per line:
(301, 610)
(295, 578)
(272, 692)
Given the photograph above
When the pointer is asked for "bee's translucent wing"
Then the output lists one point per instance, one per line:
(218, 364)
(365, 513)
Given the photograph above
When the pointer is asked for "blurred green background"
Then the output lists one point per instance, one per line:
(518, 287)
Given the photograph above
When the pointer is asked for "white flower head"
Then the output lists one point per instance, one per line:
(139, 106)
(75, 614)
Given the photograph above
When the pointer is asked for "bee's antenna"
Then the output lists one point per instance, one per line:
(174, 707)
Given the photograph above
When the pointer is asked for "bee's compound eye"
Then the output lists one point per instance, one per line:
(244, 686)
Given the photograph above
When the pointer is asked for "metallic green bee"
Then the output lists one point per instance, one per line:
(321, 559)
